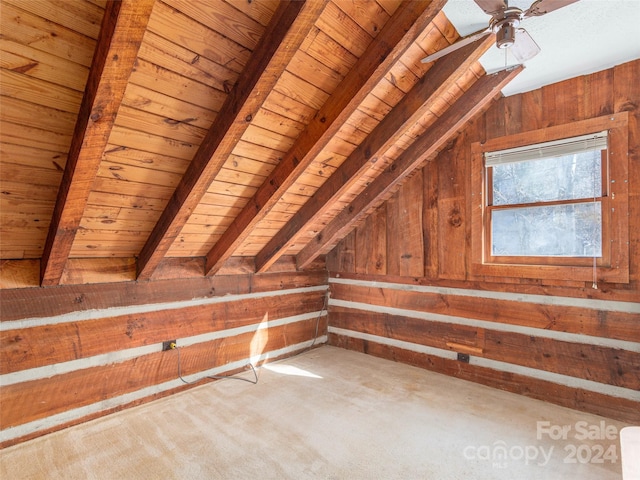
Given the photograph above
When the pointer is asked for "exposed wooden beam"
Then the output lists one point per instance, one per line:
(398, 34)
(286, 31)
(472, 102)
(123, 26)
(412, 107)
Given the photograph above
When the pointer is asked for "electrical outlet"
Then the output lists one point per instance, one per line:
(463, 357)
(167, 345)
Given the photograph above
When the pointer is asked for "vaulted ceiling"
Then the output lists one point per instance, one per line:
(145, 133)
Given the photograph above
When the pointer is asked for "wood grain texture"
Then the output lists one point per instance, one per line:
(560, 318)
(26, 28)
(328, 109)
(371, 244)
(579, 399)
(448, 255)
(478, 96)
(120, 36)
(292, 21)
(394, 39)
(615, 261)
(223, 18)
(453, 184)
(95, 334)
(132, 403)
(409, 110)
(448, 187)
(32, 90)
(84, 19)
(33, 347)
(607, 365)
(430, 220)
(452, 222)
(20, 303)
(404, 230)
(95, 384)
(626, 100)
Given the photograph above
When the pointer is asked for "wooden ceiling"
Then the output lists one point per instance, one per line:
(144, 135)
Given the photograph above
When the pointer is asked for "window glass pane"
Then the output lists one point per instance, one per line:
(547, 179)
(559, 230)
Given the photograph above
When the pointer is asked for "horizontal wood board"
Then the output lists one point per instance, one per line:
(191, 56)
(84, 349)
(421, 239)
(617, 408)
(46, 52)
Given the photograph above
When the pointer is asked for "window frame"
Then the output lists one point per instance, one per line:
(613, 266)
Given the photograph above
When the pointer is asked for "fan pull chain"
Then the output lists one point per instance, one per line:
(594, 285)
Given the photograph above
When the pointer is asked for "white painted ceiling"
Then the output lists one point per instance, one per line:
(578, 39)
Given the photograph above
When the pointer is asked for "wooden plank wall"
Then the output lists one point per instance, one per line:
(46, 52)
(402, 287)
(71, 353)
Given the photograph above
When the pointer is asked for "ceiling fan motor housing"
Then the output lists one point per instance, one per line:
(506, 36)
(504, 24)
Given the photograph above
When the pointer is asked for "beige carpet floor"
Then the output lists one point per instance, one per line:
(328, 413)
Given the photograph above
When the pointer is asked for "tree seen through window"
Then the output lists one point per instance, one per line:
(548, 206)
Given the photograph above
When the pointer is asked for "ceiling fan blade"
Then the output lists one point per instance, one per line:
(455, 46)
(492, 6)
(542, 7)
(525, 47)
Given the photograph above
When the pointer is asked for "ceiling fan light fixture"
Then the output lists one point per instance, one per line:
(505, 22)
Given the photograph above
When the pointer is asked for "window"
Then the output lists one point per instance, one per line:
(553, 202)
(545, 200)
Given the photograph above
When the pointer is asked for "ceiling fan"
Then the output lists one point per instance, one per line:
(505, 23)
